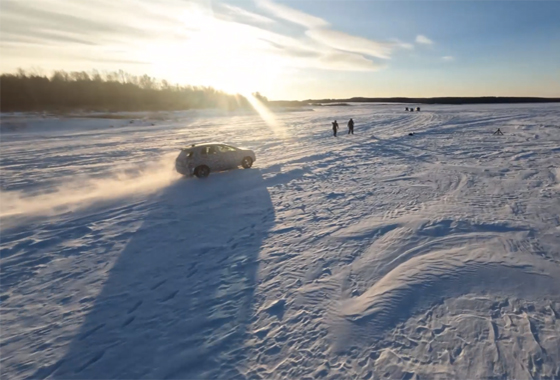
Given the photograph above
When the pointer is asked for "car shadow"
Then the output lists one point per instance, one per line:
(179, 299)
(393, 147)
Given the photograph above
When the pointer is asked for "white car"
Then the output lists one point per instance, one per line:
(200, 159)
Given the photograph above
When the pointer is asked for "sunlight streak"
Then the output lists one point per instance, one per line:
(267, 116)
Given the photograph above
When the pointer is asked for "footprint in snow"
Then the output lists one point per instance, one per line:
(277, 308)
(136, 306)
(128, 321)
(158, 285)
(170, 296)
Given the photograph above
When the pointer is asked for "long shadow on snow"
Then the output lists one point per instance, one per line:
(390, 147)
(179, 298)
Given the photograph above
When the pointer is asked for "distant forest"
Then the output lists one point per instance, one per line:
(120, 91)
(441, 100)
(115, 91)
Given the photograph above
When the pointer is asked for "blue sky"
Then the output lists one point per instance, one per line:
(298, 49)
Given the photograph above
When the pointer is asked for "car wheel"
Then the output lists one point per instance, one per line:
(247, 162)
(202, 171)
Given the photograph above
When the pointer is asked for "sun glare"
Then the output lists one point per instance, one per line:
(222, 54)
(236, 82)
(268, 117)
(217, 53)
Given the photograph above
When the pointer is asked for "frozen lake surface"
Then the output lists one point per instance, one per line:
(373, 255)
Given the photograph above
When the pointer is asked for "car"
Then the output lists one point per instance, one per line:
(201, 159)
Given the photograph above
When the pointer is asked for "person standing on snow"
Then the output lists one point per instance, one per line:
(351, 126)
(334, 127)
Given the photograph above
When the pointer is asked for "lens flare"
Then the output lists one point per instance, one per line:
(268, 116)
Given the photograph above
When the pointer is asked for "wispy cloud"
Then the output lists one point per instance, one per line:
(347, 42)
(192, 41)
(423, 40)
(404, 45)
(341, 49)
(241, 15)
(292, 15)
(448, 58)
(348, 61)
(58, 20)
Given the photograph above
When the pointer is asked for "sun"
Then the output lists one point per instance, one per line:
(212, 52)
(224, 55)
(236, 81)
(225, 71)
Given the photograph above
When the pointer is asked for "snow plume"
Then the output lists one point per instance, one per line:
(73, 194)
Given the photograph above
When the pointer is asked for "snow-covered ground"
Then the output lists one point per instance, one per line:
(374, 255)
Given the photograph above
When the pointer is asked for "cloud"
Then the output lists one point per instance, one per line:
(42, 37)
(292, 15)
(423, 40)
(56, 21)
(404, 45)
(186, 41)
(329, 48)
(346, 42)
(241, 15)
(348, 61)
(448, 58)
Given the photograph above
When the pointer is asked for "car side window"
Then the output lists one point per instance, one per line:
(208, 150)
(225, 148)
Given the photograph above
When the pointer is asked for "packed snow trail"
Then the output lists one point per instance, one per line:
(377, 254)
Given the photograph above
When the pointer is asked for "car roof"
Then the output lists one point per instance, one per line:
(210, 143)
(205, 144)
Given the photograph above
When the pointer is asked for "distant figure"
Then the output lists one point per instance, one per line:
(411, 109)
(411, 134)
(351, 126)
(334, 127)
(498, 132)
(418, 109)
(406, 109)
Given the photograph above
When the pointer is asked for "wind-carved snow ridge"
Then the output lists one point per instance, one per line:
(422, 284)
(82, 190)
(412, 272)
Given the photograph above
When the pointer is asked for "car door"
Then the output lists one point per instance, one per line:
(228, 156)
(209, 157)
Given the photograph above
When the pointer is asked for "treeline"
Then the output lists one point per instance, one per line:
(114, 91)
(461, 100)
(441, 100)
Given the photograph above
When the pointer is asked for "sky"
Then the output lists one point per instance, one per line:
(296, 50)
